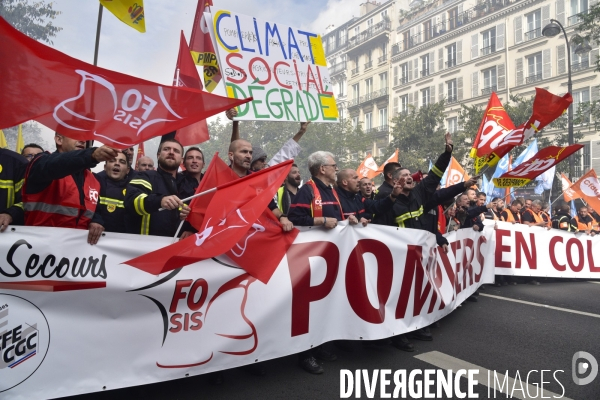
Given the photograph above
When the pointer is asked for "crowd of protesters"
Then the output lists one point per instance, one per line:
(39, 188)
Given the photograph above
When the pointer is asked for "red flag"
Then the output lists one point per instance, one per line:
(546, 108)
(140, 153)
(186, 75)
(535, 166)
(262, 248)
(85, 102)
(233, 209)
(202, 49)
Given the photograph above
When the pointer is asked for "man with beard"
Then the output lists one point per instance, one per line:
(61, 191)
(287, 192)
(151, 190)
(583, 222)
(355, 207)
(384, 190)
(469, 216)
(113, 184)
(533, 215)
(144, 164)
(495, 213)
(193, 161)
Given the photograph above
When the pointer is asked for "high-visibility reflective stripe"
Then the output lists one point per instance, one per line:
(108, 201)
(20, 205)
(437, 171)
(138, 204)
(56, 209)
(145, 225)
(19, 184)
(142, 182)
(400, 219)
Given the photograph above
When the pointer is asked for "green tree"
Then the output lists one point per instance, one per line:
(32, 133)
(419, 134)
(589, 30)
(32, 18)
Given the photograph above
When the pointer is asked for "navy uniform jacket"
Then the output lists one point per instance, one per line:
(12, 172)
(300, 210)
(142, 201)
(111, 207)
(387, 217)
(356, 204)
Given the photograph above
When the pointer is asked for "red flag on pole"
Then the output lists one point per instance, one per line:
(186, 74)
(202, 49)
(140, 153)
(85, 102)
(232, 211)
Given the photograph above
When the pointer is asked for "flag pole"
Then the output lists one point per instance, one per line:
(177, 233)
(90, 143)
(194, 196)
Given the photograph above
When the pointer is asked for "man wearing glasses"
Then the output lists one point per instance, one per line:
(31, 150)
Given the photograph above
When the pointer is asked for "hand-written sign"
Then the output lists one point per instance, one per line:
(282, 68)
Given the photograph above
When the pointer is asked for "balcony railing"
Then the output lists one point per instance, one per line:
(354, 71)
(333, 47)
(451, 63)
(382, 59)
(488, 50)
(425, 72)
(354, 102)
(451, 99)
(374, 95)
(533, 78)
(532, 34)
(369, 65)
(371, 32)
(575, 19)
(337, 68)
(489, 90)
(583, 64)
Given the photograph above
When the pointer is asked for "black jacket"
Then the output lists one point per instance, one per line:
(300, 210)
(562, 221)
(472, 217)
(142, 201)
(111, 207)
(355, 204)
(12, 172)
(386, 217)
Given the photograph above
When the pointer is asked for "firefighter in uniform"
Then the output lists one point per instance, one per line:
(583, 222)
(562, 219)
(532, 216)
(288, 191)
(12, 171)
(113, 186)
(150, 191)
(61, 191)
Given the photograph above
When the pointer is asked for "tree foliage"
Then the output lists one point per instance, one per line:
(32, 18)
(589, 29)
(419, 134)
(32, 133)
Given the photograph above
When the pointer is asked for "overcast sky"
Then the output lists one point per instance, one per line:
(152, 55)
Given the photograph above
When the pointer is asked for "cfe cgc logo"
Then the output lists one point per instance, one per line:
(24, 340)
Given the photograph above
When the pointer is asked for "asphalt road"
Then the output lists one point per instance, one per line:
(494, 334)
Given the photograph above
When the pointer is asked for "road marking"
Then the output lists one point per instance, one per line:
(594, 282)
(542, 305)
(444, 361)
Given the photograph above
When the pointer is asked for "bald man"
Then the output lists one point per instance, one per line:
(240, 157)
(144, 164)
(355, 207)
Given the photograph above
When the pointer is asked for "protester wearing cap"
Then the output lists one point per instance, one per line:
(113, 186)
(259, 159)
(61, 191)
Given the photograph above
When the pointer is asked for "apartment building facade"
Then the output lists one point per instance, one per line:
(461, 51)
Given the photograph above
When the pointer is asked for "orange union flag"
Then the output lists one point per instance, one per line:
(368, 168)
(535, 166)
(456, 173)
(588, 188)
(393, 158)
(568, 192)
(130, 12)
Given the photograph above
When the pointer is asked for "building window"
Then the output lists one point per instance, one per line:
(452, 124)
(356, 31)
(453, 18)
(368, 86)
(489, 81)
(577, 7)
(584, 161)
(425, 97)
(384, 15)
(341, 88)
(383, 83)
(427, 30)
(369, 23)
(489, 41)
(452, 91)
(581, 96)
(383, 117)
(451, 55)
(579, 62)
(406, 40)
(534, 68)
(355, 91)
(404, 73)
(368, 122)
(342, 37)
(354, 122)
(404, 104)
(425, 65)
(534, 25)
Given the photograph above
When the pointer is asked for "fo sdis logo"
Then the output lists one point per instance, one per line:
(24, 340)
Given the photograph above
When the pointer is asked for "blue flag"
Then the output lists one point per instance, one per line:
(529, 152)
(573, 209)
(501, 168)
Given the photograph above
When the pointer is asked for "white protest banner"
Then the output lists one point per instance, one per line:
(99, 323)
(283, 68)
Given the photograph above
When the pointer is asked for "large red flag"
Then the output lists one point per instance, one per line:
(186, 75)
(543, 160)
(85, 102)
(233, 209)
(546, 108)
(201, 46)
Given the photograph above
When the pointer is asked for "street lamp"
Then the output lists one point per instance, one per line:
(552, 29)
